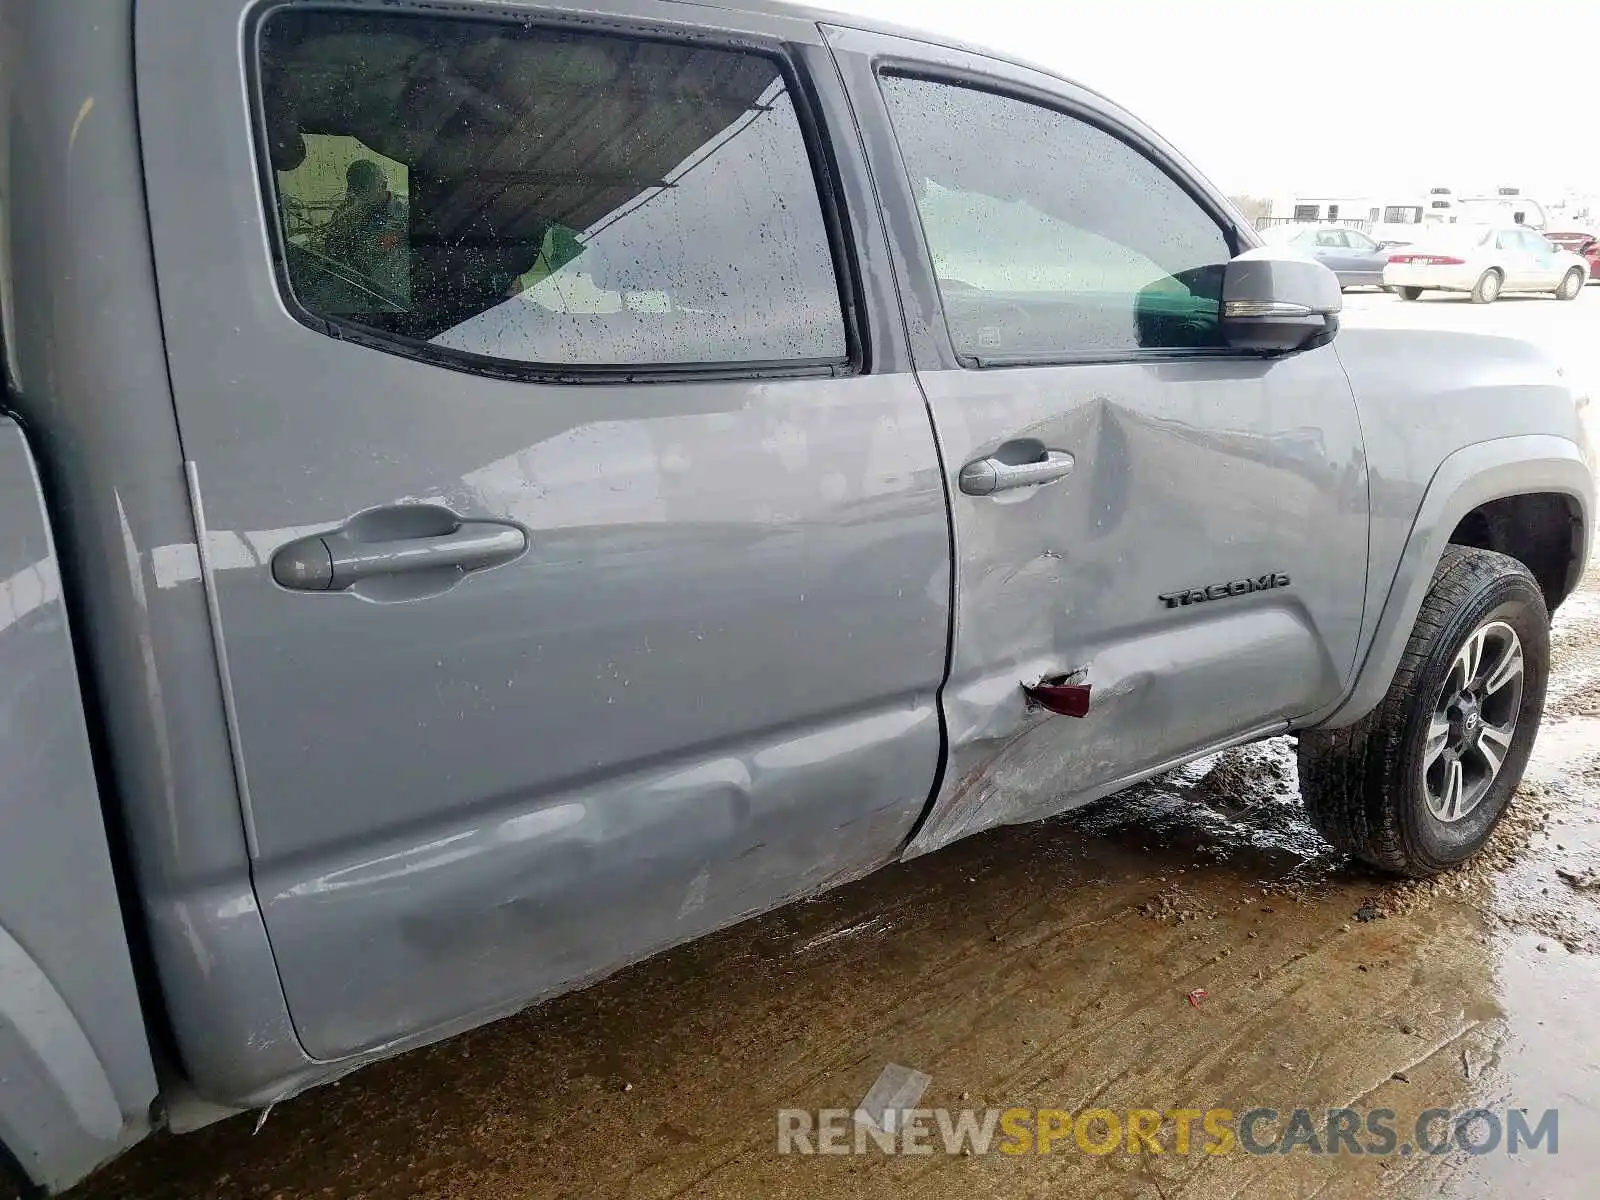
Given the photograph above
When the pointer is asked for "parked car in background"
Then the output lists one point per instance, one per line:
(1586, 245)
(1485, 261)
(1355, 258)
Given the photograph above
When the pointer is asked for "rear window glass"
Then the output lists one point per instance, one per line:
(1460, 237)
(544, 196)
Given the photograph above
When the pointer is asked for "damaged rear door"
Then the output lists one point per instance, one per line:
(581, 563)
(1137, 508)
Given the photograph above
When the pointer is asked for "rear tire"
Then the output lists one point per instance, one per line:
(1408, 293)
(1488, 287)
(1380, 790)
(1571, 285)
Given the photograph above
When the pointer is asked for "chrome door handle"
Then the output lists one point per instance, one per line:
(984, 476)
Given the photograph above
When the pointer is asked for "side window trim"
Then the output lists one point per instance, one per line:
(911, 67)
(820, 160)
(1080, 358)
(1014, 89)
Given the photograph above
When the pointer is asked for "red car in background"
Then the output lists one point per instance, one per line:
(1586, 244)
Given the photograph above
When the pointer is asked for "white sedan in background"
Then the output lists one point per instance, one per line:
(1485, 261)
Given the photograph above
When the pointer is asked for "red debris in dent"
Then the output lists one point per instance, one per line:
(1197, 995)
(1067, 699)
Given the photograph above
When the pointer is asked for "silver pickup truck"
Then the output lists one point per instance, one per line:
(493, 490)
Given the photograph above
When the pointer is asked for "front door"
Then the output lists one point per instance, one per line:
(1522, 267)
(1136, 507)
(1333, 251)
(1361, 258)
(1546, 267)
(581, 563)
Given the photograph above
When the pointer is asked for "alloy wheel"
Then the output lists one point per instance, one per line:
(1473, 722)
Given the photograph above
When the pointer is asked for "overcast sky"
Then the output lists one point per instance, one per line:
(1354, 98)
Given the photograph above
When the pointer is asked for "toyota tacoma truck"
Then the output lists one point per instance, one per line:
(494, 490)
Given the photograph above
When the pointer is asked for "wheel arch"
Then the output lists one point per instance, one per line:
(77, 1081)
(1541, 530)
(1478, 492)
(59, 1113)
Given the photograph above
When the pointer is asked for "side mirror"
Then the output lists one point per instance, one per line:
(1277, 303)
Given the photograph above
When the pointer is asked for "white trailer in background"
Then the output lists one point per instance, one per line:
(1403, 218)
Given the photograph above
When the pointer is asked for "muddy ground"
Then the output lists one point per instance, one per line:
(1051, 966)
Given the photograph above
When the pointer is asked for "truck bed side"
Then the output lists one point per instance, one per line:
(76, 1081)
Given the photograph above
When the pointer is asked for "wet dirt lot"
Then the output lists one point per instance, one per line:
(1058, 966)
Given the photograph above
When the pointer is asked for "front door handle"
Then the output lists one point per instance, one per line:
(401, 552)
(1015, 465)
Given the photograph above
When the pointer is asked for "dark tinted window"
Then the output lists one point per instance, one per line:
(1050, 236)
(545, 196)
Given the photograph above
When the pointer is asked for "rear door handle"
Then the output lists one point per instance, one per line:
(474, 546)
(1002, 471)
(397, 553)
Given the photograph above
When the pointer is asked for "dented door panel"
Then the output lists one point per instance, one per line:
(1193, 569)
(706, 686)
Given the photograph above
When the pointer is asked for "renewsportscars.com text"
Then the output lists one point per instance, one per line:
(1101, 1131)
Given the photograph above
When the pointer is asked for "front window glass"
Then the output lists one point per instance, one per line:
(1050, 236)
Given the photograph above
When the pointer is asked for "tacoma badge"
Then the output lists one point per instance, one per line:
(1217, 591)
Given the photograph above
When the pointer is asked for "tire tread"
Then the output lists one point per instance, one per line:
(1346, 775)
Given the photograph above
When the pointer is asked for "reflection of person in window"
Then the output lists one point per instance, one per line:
(365, 230)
